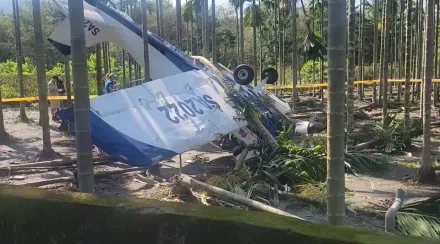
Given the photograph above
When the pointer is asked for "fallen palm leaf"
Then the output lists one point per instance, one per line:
(421, 218)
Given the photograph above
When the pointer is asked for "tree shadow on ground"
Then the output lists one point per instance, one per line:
(65, 143)
(209, 148)
(19, 145)
(221, 165)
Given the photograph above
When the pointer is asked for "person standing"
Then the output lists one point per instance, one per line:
(110, 85)
(61, 90)
(53, 91)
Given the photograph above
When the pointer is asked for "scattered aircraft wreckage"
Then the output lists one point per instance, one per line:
(188, 102)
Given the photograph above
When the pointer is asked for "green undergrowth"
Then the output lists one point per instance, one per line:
(300, 168)
(10, 89)
(420, 218)
(388, 135)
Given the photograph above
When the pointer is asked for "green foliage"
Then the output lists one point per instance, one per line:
(389, 135)
(362, 163)
(8, 75)
(421, 218)
(294, 165)
(310, 72)
(10, 67)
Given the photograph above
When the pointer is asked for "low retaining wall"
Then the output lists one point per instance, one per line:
(30, 215)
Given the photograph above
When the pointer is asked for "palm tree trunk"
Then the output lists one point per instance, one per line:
(109, 57)
(241, 37)
(197, 33)
(104, 57)
(191, 38)
(419, 53)
(188, 47)
(19, 57)
(82, 100)
(160, 23)
(130, 59)
(124, 73)
(3, 134)
(179, 22)
(130, 70)
(145, 37)
(312, 19)
(158, 18)
(260, 34)
(67, 79)
(254, 39)
(361, 48)
(238, 36)
(350, 78)
(41, 77)
(406, 134)
(426, 172)
(123, 8)
(294, 57)
(205, 28)
(280, 42)
(375, 25)
(283, 54)
(401, 54)
(413, 59)
(337, 24)
(214, 35)
(382, 41)
(436, 95)
(385, 62)
(99, 81)
(276, 39)
(321, 63)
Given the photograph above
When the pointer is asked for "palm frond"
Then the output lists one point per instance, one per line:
(294, 164)
(389, 134)
(356, 163)
(249, 18)
(430, 206)
(188, 12)
(418, 225)
(421, 218)
(312, 48)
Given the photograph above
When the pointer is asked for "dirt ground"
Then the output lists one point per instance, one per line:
(365, 192)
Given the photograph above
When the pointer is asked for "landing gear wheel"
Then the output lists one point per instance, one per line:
(243, 74)
(272, 74)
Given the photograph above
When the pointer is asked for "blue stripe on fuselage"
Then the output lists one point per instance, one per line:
(176, 56)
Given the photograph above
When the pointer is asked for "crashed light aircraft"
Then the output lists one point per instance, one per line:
(183, 107)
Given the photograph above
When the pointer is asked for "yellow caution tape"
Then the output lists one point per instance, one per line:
(267, 87)
(32, 99)
(323, 85)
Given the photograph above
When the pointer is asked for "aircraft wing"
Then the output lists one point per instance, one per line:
(148, 123)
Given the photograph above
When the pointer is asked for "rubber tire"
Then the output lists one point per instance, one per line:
(250, 74)
(272, 73)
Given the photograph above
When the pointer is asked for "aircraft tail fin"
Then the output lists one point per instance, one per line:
(94, 26)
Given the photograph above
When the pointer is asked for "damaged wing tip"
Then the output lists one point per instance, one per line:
(64, 49)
